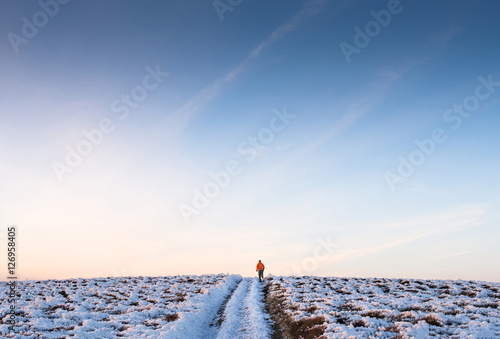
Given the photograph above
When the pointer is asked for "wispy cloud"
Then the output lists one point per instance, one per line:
(427, 226)
(178, 120)
(386, 79)
(310, 9)
(447, 35)
(436, 45)
(352, 112)
(452, 255)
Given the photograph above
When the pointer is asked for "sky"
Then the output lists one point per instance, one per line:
(331, 138)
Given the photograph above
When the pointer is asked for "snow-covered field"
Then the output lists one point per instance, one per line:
(148, 307)
(386, 308)
(111, 307)
(229, 306)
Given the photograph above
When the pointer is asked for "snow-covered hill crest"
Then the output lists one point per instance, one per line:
(229, 306)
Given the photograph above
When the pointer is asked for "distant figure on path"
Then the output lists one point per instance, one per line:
(260, 269)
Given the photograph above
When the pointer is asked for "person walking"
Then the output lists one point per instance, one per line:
(260, 269)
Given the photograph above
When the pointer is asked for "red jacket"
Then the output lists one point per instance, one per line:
(260, 266)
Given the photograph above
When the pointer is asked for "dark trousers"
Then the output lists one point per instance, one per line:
(261, 275)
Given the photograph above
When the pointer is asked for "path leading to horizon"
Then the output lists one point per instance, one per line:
(244, 315)
(235, 310)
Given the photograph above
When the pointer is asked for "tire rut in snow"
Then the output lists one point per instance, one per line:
(197, 323)
(219, 317)
(233, 313)
(244, 315)
(258, 322)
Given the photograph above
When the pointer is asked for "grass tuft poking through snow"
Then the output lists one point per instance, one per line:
(384, 308)
(281, 311)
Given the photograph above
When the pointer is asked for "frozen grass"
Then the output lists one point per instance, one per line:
(299, 307)
(104, 308)
(282, 313)
(387, 308)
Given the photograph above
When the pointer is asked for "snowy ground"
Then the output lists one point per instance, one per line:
(386, 308)
(243, 316)
(208, 306)
(229, 306)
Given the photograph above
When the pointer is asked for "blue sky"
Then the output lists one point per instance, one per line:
(313, 141)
